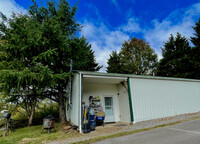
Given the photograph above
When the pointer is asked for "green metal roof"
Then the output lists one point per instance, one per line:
(134, 76)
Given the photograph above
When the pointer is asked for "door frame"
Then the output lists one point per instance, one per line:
(103, 98)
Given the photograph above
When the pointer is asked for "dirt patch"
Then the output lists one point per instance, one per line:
(26, 140)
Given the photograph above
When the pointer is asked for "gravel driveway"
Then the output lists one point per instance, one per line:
(118, 127)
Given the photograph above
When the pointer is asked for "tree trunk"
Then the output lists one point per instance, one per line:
(62, 114)
(30, 119)
(6, 131)
(31, 115)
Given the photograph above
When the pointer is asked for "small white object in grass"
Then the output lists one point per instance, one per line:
(4, 111)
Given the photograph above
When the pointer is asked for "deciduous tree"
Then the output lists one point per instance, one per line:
(136, 57)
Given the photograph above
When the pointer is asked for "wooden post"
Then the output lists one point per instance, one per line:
(6, 128)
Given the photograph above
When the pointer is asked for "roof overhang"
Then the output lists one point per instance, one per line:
(117, 75)
(103, 79)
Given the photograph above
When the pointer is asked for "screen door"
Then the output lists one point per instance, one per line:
(109, 109)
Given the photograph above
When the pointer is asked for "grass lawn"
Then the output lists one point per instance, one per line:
(32, 135)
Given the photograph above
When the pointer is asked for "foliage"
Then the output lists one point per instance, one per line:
(83, 56)
(114, 64)
(20, 114)
(195, 55)
(36, 50)
(6, 106)
(47, 108)
(176, 58)
(196, 39)
(43, 109)
(136, 57)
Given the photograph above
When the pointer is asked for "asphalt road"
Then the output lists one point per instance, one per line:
(183, 133)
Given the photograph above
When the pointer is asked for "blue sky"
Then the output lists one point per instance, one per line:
(108, 23)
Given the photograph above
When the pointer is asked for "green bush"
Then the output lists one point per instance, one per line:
(43, 110)
(46, 109)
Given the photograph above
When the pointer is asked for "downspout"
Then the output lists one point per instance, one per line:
(80, 105)
(130, 101)
(70, 97)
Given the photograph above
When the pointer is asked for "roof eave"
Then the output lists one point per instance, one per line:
(134, 76)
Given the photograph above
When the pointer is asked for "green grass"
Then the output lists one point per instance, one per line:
(33, 135)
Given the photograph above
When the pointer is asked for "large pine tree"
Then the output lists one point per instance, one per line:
(114, 64)
(176, 58)
(195, 55)
(36, 50)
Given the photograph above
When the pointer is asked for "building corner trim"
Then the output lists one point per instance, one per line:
(130, 101)
(80, 105)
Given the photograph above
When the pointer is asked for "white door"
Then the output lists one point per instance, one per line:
(109, 109)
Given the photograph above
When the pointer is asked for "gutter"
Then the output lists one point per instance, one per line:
(130, 101)
(102, 76)
(136, 76)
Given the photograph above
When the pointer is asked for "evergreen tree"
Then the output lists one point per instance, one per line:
(196, 39)
(36, 50)
(114, 65)
(176, 58)
(195, 55)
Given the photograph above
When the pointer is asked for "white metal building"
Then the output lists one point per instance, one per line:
(132, 98)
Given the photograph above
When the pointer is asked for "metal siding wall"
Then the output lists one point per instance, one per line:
(153, 99)
(74, 112)
(124, 104)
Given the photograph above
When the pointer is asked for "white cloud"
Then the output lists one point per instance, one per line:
(103, 40)
(180, 20)
(132, 26)
(9, 6)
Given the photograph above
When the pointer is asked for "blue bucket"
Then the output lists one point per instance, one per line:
(92, 117)
(92, 124)
(86, 128)
(100, 118)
